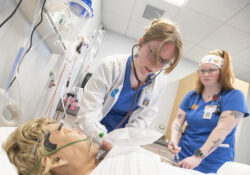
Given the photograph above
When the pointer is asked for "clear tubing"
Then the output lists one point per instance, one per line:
(20, 54)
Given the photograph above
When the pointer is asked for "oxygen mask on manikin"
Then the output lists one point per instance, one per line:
(69, 16)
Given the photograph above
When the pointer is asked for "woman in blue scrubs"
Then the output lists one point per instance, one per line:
(212, 113)
(125, 89)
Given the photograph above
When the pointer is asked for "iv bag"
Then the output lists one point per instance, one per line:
(69, 16)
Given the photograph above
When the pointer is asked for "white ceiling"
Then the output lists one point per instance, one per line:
(204, 24)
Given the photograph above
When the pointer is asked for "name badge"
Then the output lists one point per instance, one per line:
(208, 111)
(144, 98)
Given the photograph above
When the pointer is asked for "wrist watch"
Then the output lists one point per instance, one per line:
(199, 153)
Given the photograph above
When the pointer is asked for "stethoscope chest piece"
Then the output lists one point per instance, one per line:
(195, 106)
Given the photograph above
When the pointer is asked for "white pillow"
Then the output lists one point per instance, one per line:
(5, 166)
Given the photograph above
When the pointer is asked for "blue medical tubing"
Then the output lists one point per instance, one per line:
(80, 9)
(14, 66)
(20, 56)
(89, 3)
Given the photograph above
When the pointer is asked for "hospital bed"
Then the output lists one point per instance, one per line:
(128, 161)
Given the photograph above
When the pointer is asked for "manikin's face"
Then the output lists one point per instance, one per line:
(147, 53)
(209, 74)
(79, 156)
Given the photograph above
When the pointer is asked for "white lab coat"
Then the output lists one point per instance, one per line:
(97, 101)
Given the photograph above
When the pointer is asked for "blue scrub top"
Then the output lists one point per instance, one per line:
(124, 102)
(198, 129)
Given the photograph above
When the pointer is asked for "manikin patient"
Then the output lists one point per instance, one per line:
(43, 140)
(44, 147)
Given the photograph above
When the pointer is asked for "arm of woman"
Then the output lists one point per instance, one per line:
(176, 130)
(228, 120)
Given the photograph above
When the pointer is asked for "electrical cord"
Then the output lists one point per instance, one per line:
(41, 20)
(12, 81)
(1, 25)
(31, 38)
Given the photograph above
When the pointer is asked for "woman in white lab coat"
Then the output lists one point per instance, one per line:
(125, 89)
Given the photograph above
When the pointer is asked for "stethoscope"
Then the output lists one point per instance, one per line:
(140, 84)
(195, 105)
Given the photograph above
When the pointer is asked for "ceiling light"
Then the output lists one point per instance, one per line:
(178, 3)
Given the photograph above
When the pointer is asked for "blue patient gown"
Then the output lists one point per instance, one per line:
(198, 129)
(124, 102)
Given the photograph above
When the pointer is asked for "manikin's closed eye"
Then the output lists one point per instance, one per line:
(47, 144)
(54, 150)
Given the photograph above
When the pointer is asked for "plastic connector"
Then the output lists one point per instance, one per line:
(51, 79)
(101, 135)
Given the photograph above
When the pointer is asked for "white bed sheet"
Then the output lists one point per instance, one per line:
(123, 160)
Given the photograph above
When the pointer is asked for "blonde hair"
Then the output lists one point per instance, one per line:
(226, 74)
(165, 31)
(20, 143)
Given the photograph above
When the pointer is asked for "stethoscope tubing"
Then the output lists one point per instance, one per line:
(140, 84)
(217, 111)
